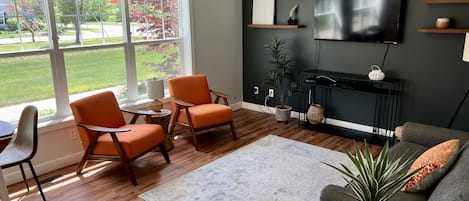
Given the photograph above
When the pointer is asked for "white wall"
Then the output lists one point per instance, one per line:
(217, 44)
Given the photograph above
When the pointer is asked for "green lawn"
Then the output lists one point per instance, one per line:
(26, 79)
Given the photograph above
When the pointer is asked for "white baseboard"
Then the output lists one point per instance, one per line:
(329, 121)
(237, 106)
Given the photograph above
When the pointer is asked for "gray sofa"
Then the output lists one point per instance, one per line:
(416, 138)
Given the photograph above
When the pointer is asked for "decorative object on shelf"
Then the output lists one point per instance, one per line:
(376, 73)
(375, 179)
(315, 114)
(281, 77)
(445, 1)
(465, 55)
(442, 22)
(155, 91)
(446, 31)
(293, 20)
(263, 11)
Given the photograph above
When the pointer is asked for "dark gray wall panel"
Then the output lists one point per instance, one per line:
(430, 65)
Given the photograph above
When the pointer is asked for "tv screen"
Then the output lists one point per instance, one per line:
(357, 20)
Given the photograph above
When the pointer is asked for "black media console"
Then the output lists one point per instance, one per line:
(384, 92)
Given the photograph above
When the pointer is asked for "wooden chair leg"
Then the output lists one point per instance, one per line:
(37, 180)
(81, 165)
(87, 153)
(191, 128)
(129, 171)
(196, 144)
(235, 137)
(164, 152)
(173, 123)
(124, 159)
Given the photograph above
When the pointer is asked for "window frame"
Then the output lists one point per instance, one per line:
(58, 68)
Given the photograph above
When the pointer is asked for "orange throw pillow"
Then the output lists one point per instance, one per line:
(436, 161)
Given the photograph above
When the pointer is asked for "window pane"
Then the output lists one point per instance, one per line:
(26, 80)
(157, 61)
(154, 19)
(23, 26)
(92, 22)
(93, 70)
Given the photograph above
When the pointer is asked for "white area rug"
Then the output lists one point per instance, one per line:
(272, 168)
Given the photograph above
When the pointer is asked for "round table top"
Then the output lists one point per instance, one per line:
(6, 129)
(162, 113)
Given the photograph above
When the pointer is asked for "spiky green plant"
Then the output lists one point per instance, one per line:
(376, 180)
(281, 76)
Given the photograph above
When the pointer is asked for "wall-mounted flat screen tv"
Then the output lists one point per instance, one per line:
(357, 20)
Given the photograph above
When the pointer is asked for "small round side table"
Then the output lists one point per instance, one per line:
(162, 118)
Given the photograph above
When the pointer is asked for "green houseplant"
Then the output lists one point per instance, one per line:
(375, 180)
(281, 77)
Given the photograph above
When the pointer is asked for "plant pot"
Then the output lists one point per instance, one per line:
(282, 113)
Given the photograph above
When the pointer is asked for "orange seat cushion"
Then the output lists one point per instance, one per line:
(141, 138)
(207, 115)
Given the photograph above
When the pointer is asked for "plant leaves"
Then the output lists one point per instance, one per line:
(376, 179)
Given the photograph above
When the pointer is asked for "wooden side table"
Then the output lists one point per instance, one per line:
(162, 118)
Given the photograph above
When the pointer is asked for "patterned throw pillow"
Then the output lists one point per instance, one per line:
(436, 161)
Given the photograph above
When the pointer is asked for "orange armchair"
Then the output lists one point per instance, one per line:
(193, 107)
(106, 136)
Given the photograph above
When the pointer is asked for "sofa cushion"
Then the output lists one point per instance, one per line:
(430, 136)
(453, 187)
(435, 162)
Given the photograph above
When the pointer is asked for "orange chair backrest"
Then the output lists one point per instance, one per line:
(99, 109)
(192, 89)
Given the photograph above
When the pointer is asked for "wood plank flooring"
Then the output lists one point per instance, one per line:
(107, 180)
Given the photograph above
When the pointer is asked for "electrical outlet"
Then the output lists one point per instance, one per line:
(271, 93)
(73, 134)
(256, 90)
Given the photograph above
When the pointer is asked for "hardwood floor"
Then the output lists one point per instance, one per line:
(107, 181)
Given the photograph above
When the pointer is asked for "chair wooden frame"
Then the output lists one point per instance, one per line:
(185, 105)
(122, 155)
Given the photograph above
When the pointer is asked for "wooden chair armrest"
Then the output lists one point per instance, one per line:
(182, 103)
(139, 112)
(103, 129)
(221, 95)
(216, 93)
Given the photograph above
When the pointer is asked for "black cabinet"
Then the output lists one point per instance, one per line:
(382, 99)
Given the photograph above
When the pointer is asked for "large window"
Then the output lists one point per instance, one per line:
(53, 52)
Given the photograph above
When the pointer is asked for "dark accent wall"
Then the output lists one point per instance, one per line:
(433, 75)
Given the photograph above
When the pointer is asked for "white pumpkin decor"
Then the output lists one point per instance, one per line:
(376, 73)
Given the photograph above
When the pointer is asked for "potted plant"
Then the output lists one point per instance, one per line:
(281, 77)
(375, 180)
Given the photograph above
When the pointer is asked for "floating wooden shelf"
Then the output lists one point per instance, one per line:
(445, 1)
(448, 30)
(275, 26)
